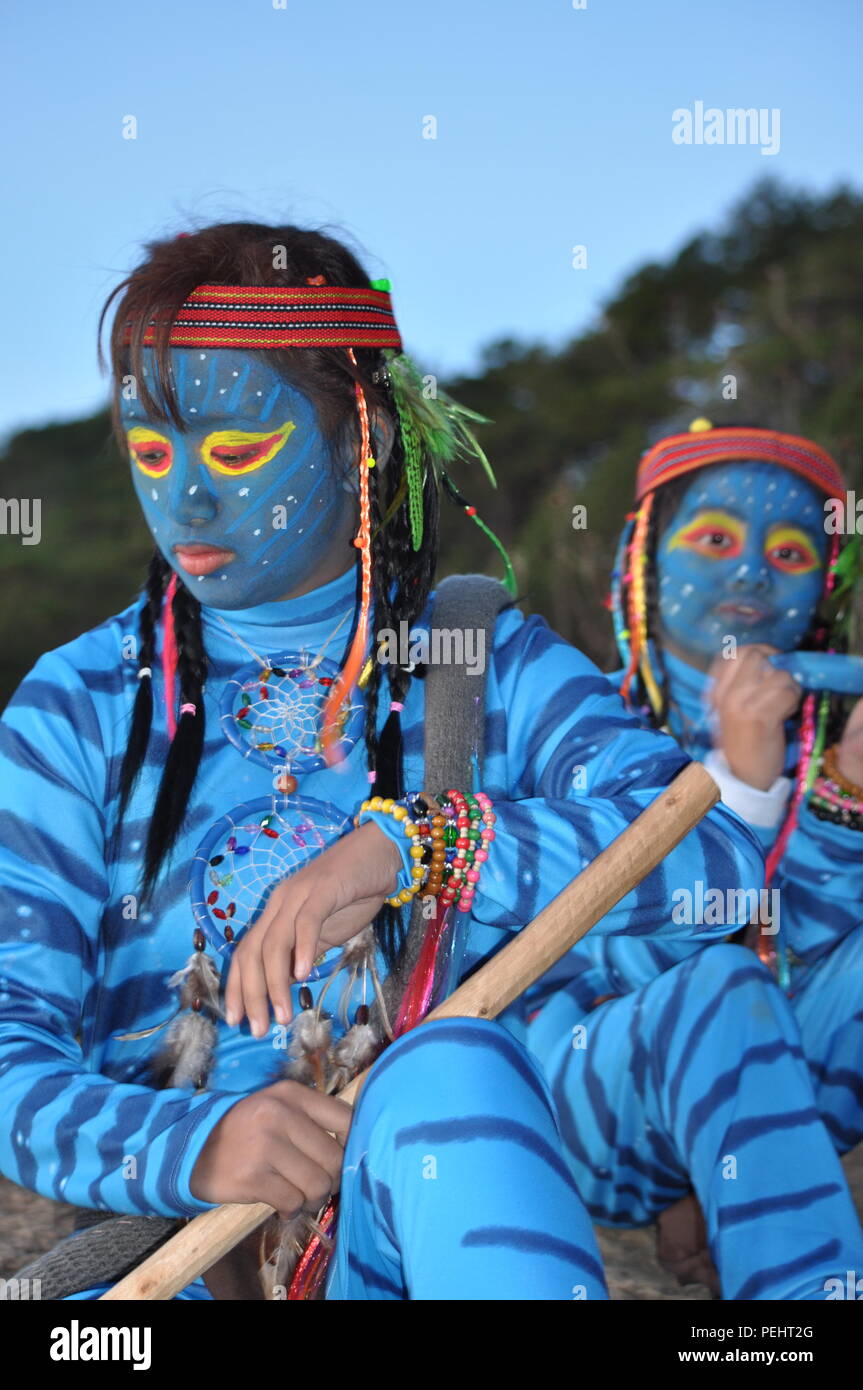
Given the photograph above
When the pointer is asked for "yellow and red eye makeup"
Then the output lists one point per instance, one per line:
(789, 549)
(242, 451)
(715, 534)
(150, 451)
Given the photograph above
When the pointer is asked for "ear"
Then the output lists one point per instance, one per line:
(383, 433)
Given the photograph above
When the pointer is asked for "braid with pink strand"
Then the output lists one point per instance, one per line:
(169, 656)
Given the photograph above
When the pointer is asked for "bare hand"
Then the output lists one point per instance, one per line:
(275, 1146)
(753, 701)
(324, 904)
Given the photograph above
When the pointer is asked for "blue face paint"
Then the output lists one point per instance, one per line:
(248, 505)
(743, 557)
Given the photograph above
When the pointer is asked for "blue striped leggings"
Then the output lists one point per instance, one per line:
(455, 1184)
(698, 1080)
(827, 1000)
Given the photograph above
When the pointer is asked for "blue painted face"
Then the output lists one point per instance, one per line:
(249, 504)
(743, 556)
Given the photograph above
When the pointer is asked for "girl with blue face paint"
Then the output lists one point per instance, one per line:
(227, 728)
(725, 562)
(250, 454)
(742, 561)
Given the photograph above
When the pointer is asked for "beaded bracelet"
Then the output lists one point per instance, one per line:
(399, 811)
(830, 771)
(449, 840)
(469, 838)
(834, 797)
(828, 800)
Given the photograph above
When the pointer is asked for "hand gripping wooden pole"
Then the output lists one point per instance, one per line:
(596, 890)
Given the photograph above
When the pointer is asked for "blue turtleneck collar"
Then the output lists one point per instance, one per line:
(689, 716)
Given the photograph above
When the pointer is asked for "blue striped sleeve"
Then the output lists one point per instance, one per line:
(66, 1130)
(568, 768)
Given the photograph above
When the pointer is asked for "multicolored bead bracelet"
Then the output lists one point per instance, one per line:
(450, 838)
(834, 797)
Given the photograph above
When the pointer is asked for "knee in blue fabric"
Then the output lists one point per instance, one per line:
(460, 1061)
(455, 1183)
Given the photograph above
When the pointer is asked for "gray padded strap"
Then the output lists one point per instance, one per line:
(454, 722)
(455, 699)
(100, 1254)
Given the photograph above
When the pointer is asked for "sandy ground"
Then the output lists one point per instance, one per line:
(30, 1225)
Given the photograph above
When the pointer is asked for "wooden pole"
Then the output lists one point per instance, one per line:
(532, 951)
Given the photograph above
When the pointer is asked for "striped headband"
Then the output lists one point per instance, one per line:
(279, 316)
(703, 445)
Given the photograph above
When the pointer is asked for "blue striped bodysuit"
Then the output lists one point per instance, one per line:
(567, 768)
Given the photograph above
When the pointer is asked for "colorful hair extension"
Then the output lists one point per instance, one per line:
(414, 471)
(169, 657)
(636, 578)
(617, 602)
(471, 511)
(813, 734)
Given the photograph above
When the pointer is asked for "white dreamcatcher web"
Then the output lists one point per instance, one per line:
(251, 849)
(273, 714)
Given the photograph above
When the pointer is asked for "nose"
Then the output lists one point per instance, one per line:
(752, 574)
(191, 498)
(752, 577)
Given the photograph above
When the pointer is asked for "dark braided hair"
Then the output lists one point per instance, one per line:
(243, 253)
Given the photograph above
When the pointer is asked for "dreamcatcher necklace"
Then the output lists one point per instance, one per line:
(270, 711)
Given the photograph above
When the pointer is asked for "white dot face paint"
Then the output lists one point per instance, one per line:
(739, 572)
(274, 544)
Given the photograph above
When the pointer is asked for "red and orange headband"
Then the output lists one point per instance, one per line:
(703, 445)
(283, 316)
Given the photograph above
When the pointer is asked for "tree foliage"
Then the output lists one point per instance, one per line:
(766, 309)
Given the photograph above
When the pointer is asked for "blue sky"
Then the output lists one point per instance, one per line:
(553, 130)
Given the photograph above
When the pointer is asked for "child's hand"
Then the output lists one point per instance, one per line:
(324, 904)
(753, 701)
(275, 1146)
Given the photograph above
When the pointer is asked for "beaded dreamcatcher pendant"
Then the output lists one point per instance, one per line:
(248, 852)
(272, 713)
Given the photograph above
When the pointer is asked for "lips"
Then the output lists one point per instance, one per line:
(749, 614)
(197, 558)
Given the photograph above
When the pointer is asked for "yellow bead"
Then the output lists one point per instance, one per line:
(416, 851)
(406, 895)
(418, 872)
(400, 812)
(376, 804)
(387, 804)
(700, 425)
(409, 828)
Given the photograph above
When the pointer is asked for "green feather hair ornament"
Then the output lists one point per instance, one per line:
(436, 432)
